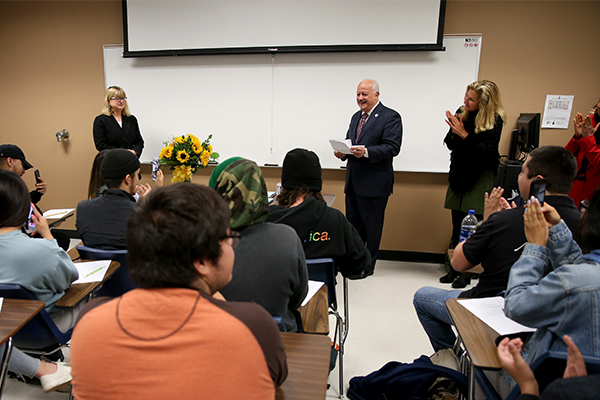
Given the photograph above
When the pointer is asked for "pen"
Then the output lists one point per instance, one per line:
(93, 272)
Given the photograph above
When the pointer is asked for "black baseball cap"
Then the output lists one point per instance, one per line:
(12, 151)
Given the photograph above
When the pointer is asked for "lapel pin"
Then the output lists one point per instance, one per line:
(376, 115)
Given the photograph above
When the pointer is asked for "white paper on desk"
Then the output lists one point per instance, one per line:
(313, 288)
(343, 146)
(1, 300)
(58, 213)
(490, 310)
(91, 271)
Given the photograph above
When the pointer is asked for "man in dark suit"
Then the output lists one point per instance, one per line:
(376, 135)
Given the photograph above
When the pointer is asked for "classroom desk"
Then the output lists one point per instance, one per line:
(478, 339)
(308, 366)
(315, 314)
(76, 293)
(15, 313)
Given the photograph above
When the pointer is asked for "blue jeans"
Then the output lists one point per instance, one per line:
(430, 305)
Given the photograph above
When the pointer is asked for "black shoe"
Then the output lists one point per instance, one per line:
(462, 281)
(450, 276)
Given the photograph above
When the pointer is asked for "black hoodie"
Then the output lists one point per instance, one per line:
(325, 233)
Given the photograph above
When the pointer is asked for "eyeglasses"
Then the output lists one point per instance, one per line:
(119, 98)
(235, 238)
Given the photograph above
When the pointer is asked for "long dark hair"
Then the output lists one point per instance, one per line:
(96, 180)
(14, 200)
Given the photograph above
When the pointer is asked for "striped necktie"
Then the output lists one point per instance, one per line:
(361, 123)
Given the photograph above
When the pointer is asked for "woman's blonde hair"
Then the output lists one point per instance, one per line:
(114, 91)
(490, 105)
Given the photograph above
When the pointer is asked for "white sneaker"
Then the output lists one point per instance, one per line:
(60, 378)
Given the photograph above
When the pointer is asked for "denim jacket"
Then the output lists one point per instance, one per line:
(566, 301)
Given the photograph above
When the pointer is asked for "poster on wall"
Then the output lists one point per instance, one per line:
(557, 111)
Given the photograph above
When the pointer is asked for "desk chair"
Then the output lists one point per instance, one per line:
(120, 282)
(324, 270)
(40, 335)
(546, 368)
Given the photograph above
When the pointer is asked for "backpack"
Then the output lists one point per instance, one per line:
(399, 381)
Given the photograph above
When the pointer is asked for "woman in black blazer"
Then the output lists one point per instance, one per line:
(116, 127)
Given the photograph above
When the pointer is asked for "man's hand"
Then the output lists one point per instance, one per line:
(509, 353)
(575, 363)
(456, 125)
(143, 190)
(494, 202)
(358, 151)
(41, 187)
(41, 224)
(338, 154)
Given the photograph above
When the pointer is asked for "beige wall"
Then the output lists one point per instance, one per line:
(51, 69)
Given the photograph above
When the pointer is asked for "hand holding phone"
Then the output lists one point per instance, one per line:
(538, 189)
(154, 168)
(37, 176)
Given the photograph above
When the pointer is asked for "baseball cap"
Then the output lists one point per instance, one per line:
(12, 151)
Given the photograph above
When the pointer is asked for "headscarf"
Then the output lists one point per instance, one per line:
(242, 185)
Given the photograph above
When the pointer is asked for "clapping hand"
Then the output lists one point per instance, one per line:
(494, 202)
(538, 220)
(509, 353)
(456, 125)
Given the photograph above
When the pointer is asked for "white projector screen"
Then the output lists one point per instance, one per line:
(179, 27)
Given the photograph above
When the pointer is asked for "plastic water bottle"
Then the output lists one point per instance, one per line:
(468, 225)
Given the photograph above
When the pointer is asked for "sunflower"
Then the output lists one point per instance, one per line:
(197, 148)
(166, 152)
(204, 158)
(182, 156)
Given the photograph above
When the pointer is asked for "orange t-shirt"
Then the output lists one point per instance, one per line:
(180, 343)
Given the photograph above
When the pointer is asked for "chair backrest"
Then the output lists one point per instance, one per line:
(40, 333)
(323, 270)
(280, 324)
(120, 282)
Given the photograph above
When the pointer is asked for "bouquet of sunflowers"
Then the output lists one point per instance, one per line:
(185, 154)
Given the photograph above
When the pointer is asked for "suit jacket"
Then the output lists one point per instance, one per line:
(382, 136)
(109, 135)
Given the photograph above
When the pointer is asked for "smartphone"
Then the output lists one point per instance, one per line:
(538, 189)
(29, 224)
(37, 176)
(154, 168)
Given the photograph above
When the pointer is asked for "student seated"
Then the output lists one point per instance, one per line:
(564, 302)
(39, 265)
(324, 231)
(270, 268)
(170, 338)
(102, 221)
(498, 242)
(13, 159)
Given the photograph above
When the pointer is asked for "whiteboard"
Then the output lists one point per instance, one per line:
(262, 106)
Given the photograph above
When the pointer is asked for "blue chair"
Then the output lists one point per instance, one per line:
(324, 270)
(40, 335)
(120, 282)
(280, 324)
(546, 368)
